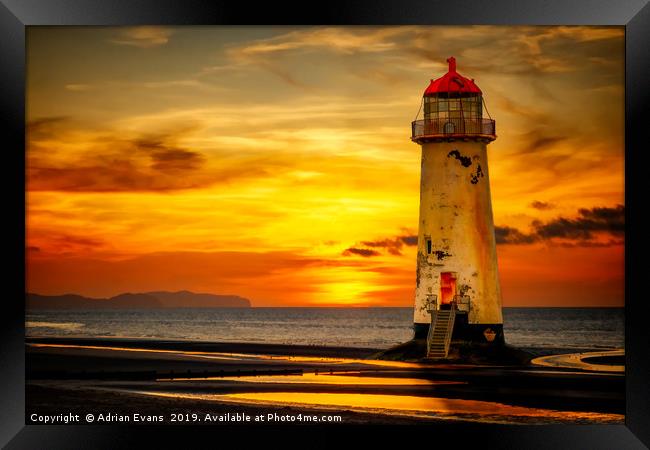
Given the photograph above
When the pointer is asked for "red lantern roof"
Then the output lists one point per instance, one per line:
(452, 82)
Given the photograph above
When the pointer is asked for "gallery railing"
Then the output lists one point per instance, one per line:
(453, 127)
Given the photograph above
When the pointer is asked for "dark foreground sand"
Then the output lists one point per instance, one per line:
(52, 400)
(118, 377)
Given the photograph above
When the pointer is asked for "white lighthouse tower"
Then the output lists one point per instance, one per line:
(457, 296)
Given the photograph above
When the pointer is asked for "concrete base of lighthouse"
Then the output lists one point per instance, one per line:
(460, 352)
(472, 343)
(465, 332)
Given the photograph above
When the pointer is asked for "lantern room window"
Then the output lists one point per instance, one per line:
(442, 108)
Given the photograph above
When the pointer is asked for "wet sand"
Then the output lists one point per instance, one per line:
(610, 361)
(122, 376)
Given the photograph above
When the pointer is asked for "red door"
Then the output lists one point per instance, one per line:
(447, 287)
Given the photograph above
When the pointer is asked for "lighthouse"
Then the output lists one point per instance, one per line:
(457, 295)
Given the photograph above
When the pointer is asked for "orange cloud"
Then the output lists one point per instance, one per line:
(143, 37)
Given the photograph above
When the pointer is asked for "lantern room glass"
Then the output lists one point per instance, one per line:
(447, 107)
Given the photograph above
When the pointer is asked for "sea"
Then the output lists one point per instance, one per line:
(570, 329)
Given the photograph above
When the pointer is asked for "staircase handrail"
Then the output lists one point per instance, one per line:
(450, 329)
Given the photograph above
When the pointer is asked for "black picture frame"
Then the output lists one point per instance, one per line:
(15, 15)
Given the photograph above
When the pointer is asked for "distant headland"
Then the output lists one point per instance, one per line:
(144, 300)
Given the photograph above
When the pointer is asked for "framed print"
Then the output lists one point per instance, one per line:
(366, 216)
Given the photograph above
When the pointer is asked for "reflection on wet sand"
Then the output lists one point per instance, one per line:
(313, 378)
(240, 356)
(580, 361)
(138, 350)
(372, 362)
(416, 406)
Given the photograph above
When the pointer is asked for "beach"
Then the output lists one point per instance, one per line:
(165, 378)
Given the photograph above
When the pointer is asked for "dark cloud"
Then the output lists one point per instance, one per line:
(121, 176)
(614, 217)
(589, 221)
(112, 163)
(410, 240)
(80, 241)
(561, 228)
(393, 245)
(165, 157)
(176, 160)
(66, 244)
(509, 235)
(573, 232)
(540, 139)
(366, 253)
(43, 127)
(285, 75)
(542, 206)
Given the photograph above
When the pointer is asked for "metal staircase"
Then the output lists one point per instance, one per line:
(439, 338)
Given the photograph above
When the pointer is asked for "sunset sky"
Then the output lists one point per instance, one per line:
(275, 162)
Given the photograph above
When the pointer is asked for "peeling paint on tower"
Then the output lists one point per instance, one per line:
(465, 161)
